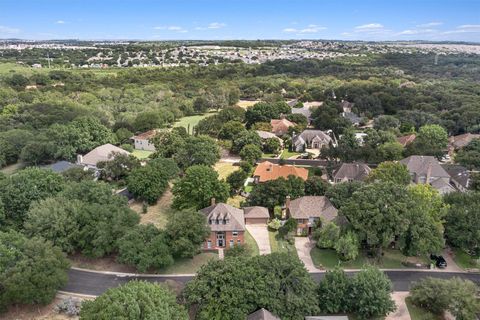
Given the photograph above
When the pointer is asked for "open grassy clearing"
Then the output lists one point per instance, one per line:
(192, 121)
(417, 313)
(247, 103)
(279, 245)
(252, 245)
(464, 260)
(392, 259)
(156, 214)
(141, 154)
(189, 265)
(224, 169)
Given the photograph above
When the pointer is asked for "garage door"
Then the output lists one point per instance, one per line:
(256, 220)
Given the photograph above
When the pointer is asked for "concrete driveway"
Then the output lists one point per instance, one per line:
(259, 232)
(304, 246)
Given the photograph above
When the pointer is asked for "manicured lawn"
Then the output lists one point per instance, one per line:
(269, 155)
(251, 244)
(280, 245)
(288, 154)
(464, 260)
(192, 120)
(141, 154)
(11, 169)
(417, 313)
(224, 169)
(328, 259)
(189, 265)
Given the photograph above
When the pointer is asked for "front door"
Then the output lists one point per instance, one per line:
(220, 239)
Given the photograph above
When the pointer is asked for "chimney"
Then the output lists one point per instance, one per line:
(79, 159)
(287, 202)
(212, 201)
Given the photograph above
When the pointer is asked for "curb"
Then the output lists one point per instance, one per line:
(138, 275)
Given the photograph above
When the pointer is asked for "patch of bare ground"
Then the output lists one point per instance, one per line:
(156, 214)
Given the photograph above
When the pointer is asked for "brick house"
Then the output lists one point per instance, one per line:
(308, 210)
(227, 225)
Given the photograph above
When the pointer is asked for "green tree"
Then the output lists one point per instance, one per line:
(316, 186)
(391, 151)
(135, 300)
(187, 230)
(119, 167)
(244, 138)
(394, 172)
(340, 193)
(196, 189)
(271, 145)
(347, 246)
(327, 235)
(148, 120)
(31, 270)
(20, 190)
(201, 150)
(386, 123)
(334, 291)
(93, 133)
(370, 292)
(250, 153)
(145, 247)
(431, 140)
(236, 179)
(469, 156)
(236, 287)
(230, 130)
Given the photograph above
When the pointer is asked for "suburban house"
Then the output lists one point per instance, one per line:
(426, 169)
(307, 109)
(227, 225)
(256, 215)
(262, 314)
(280, 126)
(348, 114)
(267, 171)
(459, 176)
(406, 140)
(348, 172)
(105, 152)
(264, 135)
(460, 141)
(308, 210)
(61, 166)
(310, 139)
(142, 141)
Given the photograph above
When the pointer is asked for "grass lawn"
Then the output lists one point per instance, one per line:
(269, 155)
(248, 188)
(224, 169)
(247, 103)
(192, 120)
(288, 154)
(156, 214)
(141, 154)
(189, 265)
(464, 260)
(417, 313)
(11, 169)
(280, 245)
(328, 259)
(251, 244)
(235, 201)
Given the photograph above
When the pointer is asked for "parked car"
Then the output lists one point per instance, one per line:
(440, 261)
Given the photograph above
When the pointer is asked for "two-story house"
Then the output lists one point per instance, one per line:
(308, 210)
(143, 141)
(310, 139)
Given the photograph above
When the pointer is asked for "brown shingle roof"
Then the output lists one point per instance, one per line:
(406, 140)
(460, 141)
(145, 135)
(352, 171)
(280, 126)
(256, 212)
(233, 217)
(312, 206)
(420, 165)
(267, 171)
(262, 314)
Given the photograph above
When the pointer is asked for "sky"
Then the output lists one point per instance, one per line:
(456, 20)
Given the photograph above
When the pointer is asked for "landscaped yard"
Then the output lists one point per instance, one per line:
(187, 265)
(251, 244)
(464, 260)
(224, 169)
(248, 188)
(192, 120)
(141, 154)
(417, 313)
(280, 245)
(288, 154)
(392, 259)
(156, 214)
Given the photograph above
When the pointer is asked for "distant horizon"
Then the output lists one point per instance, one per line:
(150, 20)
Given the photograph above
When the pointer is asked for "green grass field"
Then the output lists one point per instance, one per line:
(141, 154)
(251, 244)
(464, 260)
(192, 120)
(189, 265)
(288, 154)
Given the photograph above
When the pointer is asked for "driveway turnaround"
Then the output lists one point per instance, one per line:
(259, 232)
(304, 246)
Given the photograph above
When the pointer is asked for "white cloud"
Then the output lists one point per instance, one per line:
(289, 30)
(465, 28)
(416, 31)
(311, 28)
(216, 25)
(430, 24)
(60, 22)
(172, 28)
(368, 27)
(8, 30)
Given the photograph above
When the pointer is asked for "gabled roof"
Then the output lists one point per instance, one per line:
(256, 212)
(312, 206)
(145, 135)
(421, 165)
(459, 174)
(102, 153)
(233, 217)
(406, 140)
(442, 186)
(61, 166)
(281, 125)
(352, 171)
(267, 135)
(462, 140)
(267, 171)
(262, 314)
(308, 135)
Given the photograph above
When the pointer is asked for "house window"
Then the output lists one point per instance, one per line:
(235, 233)
(209, 244)
(231, 243)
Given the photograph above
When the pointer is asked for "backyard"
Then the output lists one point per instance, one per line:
(392, 259)
(157, 214)
(141, 154)
(224, 169)
(191, 121)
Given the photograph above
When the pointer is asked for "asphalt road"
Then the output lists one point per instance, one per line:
(93, 283)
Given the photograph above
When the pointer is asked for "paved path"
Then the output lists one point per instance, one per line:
(259, 232)
(303, 246)
(402, 311)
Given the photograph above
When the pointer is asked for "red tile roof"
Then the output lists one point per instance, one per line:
(267, 171)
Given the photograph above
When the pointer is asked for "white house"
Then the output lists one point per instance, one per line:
(142, 141)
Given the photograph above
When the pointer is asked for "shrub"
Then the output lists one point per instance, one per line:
(275, 224)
